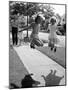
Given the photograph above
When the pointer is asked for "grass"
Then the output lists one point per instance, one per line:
(17, 69)
(58, 56)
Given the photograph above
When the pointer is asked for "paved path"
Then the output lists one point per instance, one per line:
(38, 63)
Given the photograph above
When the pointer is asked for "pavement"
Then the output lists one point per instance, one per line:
(39, 64)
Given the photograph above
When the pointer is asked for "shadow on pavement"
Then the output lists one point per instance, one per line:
(27, 82)
(51, 79)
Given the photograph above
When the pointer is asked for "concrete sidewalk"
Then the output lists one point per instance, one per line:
(39, 64)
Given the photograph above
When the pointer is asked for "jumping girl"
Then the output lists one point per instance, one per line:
(52, 36)
(34, 38)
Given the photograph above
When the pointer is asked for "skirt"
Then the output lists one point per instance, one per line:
(53, 39)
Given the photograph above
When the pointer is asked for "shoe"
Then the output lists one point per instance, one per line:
(55, 50)
(51, 48)
(32, 46)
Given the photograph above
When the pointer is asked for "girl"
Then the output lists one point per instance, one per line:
(34, 38)
(14, 26)
(52, 36)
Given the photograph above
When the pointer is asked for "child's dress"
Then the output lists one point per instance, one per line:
(52, 36)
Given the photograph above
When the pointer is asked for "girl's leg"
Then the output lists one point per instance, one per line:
(32, 45)
(49, 44)
(55, 48)
(38, 42)
(52, 46)
(55, 41)
(16, 36)
(13, 38)
(16, 39)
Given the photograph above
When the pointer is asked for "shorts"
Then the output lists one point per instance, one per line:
(37, 42)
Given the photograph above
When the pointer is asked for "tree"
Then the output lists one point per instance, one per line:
(27, 9)
(30, 9)
(47, 10)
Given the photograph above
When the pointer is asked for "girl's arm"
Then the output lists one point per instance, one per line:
(48, 27)
(27, 27)
(58, 30)
(58, 27)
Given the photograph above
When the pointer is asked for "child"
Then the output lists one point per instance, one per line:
(14, 32)
(20, 37)
(35, 31)
(52, 36)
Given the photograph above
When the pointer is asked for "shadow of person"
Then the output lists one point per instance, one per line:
(27, 82)
(51, 79)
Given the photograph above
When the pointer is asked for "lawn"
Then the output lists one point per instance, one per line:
(17, 69)
(59, 56)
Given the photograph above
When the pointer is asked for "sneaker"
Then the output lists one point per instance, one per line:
(32, 46)
(51, 48)
(54, 49)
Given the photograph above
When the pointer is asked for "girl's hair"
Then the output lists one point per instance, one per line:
(38, 18)
(53, 21)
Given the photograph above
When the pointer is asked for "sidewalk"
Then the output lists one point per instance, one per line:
(39, 64)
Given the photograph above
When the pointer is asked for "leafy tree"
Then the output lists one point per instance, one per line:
(47, 10)
(30, 9)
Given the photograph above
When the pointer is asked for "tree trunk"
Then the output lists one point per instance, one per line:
(27, 20)
(27, 26)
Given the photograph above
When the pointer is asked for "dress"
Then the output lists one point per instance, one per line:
(52, 36)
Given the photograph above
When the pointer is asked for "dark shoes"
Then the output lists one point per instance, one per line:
(32, 46)
(51, 48)
(55, 49)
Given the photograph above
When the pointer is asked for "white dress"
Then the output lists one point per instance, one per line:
(52, 36)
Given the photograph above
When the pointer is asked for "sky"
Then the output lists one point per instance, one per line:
(60, 9)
